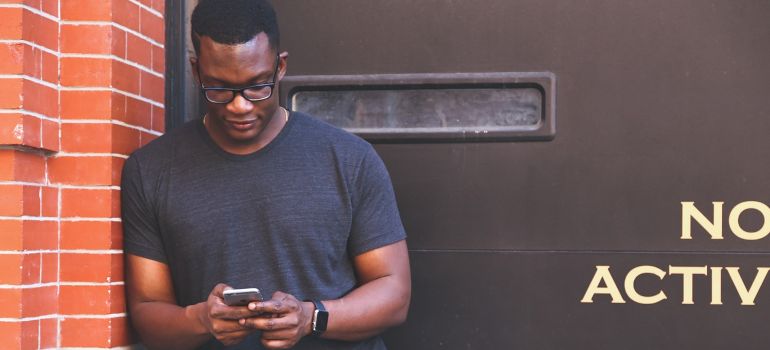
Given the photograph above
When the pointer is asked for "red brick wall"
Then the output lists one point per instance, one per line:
(81, 86)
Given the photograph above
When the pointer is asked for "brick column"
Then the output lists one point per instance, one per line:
(81, 86)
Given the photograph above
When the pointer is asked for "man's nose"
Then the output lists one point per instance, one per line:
(240, 105)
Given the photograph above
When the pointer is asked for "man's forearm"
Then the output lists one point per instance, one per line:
(368, 310)
(167, 326)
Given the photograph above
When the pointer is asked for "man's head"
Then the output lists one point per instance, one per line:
(234, 22)
(236, 43)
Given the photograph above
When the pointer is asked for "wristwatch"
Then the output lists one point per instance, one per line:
(320, 318)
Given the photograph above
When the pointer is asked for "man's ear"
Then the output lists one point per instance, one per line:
(284, 57)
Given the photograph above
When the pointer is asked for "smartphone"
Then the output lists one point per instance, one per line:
(241, 297)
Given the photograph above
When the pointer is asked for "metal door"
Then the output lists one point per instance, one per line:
(656, 103)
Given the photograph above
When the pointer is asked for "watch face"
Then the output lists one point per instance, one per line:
(321, 318)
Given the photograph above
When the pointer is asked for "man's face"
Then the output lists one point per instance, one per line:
(241, 123)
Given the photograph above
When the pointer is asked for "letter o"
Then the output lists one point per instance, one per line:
(735, 225)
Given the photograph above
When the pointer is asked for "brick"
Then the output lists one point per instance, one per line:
(13, 200)
(87, 10)
(118, 109)
(138, 113)
(125, 77)
(118, 46)
(41, 99)
(40, 30)
(126, 14)
(50, 68)
(33, 62)
(41, 235)
(85, 300)
(29, 167)
(120, 332)
(117, 235)
(11, 235)
(153, 87)
(10, 335)
(12, 24)
(77, 267)
(86, 72)
(50, 268)
(101, 203)
(12, 58)
(124, 140)
(10, 92)
(117, 170)
(50, 135)
(159, 5)
(85, 332)
(11, 129)
(86, 39)
(29, 335)
(31, 200)
(139, 50)
(31, 3)
(158, 59)
(158, 119)
(51, 7)
(117, 267)
(85, 138)
(153, 26)
(7, 158)
(49, 332)
(32, 127)
(30, 272)
(86, 104)
(117, 300)
(10, 303)
(39, 301)
(81, 170)
(94, 235)
(50, 201)
(11, 273)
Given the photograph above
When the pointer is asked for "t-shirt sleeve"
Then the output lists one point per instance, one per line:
(141, 234)
(376, 221)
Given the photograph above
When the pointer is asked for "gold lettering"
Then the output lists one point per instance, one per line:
(689, 212)
(603, 274)
(747, 296)
(631, 290)
(687, 273)
(716, 286)
(735, 225)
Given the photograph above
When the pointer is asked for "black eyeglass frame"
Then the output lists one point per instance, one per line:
(241, 91)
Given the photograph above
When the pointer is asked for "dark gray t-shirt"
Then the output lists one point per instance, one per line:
(288, 217)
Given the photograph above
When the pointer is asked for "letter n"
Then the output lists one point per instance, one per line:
(689, 212)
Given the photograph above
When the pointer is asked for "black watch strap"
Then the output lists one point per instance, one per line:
(320, 318)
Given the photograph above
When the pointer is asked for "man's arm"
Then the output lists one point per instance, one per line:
(380, 301)
(162, 324)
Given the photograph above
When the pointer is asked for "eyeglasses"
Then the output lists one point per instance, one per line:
(253, 93)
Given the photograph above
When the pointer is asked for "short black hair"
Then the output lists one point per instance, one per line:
(234, 22)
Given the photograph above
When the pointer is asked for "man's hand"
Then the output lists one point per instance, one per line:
(221, 320)
(283, 320)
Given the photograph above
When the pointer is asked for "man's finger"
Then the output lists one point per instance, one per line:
(267, 324)
(273, 306)
(219, 289)
(228, 327)
(230, 312)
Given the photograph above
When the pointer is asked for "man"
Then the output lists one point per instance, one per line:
(255, 196)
